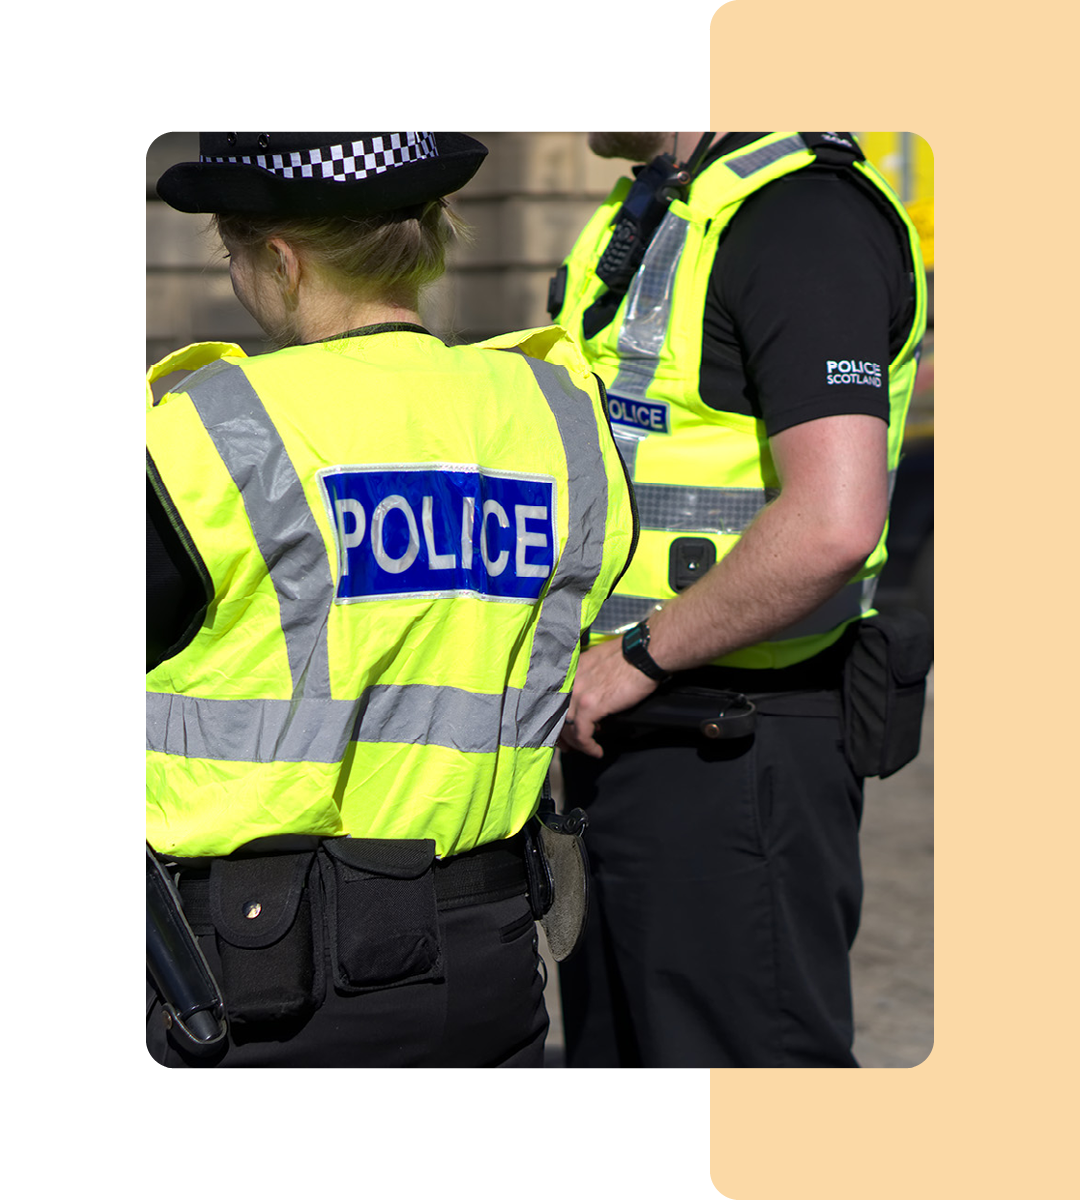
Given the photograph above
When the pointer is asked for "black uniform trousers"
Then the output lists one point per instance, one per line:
(487, 1010)
(726, 889)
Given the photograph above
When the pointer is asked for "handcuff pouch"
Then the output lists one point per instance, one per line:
(261, 909)
(558, 877)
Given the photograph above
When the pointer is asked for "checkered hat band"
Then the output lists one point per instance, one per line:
(345, 164)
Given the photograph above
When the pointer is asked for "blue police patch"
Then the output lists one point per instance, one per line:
(645, 416)
(440, 530)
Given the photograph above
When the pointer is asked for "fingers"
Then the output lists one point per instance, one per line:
(578, 734)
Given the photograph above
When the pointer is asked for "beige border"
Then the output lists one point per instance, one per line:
(990, 1111)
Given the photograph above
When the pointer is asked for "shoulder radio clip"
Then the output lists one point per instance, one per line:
(657, 184)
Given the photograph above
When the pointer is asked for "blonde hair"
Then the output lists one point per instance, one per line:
(393, 255)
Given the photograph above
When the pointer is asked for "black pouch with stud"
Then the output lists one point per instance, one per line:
(381, 912)
(267, 935)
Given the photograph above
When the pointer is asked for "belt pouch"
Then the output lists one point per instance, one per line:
(885, 691)
(382, 915)
(262, 913)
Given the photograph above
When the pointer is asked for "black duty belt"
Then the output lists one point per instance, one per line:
(492, 872)
(726, 702)
(722, 715)
(488, 873)
(797, 704)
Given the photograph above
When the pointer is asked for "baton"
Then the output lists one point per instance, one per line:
(189, 993)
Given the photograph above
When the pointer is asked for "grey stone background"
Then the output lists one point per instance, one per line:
(525, 207)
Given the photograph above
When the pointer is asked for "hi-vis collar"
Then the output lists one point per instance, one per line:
(189, 358)
(550, 343)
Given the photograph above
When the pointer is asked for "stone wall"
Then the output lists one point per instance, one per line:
(525, 207)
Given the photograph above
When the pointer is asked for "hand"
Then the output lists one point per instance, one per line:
(605, 683)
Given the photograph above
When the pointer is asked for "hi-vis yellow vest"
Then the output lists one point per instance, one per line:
(698, 472)
(404, 541)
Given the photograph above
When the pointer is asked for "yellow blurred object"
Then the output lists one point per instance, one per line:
(907, 162)
(921, 213)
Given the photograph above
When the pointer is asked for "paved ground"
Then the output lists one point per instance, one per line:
(893, 959)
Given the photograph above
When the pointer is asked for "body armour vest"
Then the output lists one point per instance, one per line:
(402, 542)
(701, 474)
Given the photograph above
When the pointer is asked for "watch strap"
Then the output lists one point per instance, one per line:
(635, 648)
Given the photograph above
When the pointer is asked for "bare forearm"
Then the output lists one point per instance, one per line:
(798, 551)
(781, 569)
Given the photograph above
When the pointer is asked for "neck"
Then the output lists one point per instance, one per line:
(313, 324)
(685, 143)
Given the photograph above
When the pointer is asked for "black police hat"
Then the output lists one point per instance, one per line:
(320, 174)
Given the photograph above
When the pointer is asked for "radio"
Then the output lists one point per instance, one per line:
(657, 184)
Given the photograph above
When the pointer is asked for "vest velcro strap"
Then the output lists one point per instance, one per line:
(833, 149)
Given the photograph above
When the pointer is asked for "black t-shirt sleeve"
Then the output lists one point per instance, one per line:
(805, 298)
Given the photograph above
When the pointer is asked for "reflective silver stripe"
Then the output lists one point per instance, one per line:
(648, 301)
(281, 519)
(676, 509)
(620, 612)
(757, 160)
(869, 590)
(558, 630)
(844, 606)
(249, 730)
(266, 731)
(313, 727)
(648, 310)
(627, 445)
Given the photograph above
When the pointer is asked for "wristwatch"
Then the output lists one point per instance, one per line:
(635, 648)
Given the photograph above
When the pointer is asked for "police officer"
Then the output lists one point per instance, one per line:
(759, 363)
(370, 558)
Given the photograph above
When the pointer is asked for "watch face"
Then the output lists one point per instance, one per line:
(634, 647)
(636, 637)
